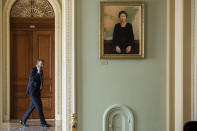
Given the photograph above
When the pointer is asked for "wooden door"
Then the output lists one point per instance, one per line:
(21, 62)
(43, 47)
(27, 45)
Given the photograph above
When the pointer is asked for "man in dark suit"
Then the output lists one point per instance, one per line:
(34, 89)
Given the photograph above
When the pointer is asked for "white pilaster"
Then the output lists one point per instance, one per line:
(64, 66)
(193, 61)
(1, 102)
(179, 65)
(194, 58)
(68, 63)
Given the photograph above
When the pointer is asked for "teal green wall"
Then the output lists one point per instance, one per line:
(138, 83)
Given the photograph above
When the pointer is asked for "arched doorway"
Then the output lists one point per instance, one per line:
(65, 65)
(32, 26)
(6, 59)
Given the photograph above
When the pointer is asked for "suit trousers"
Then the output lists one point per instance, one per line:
(35, 103)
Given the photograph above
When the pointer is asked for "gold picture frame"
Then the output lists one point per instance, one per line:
(109, 18)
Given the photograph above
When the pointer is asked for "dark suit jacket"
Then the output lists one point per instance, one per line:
(35, 81)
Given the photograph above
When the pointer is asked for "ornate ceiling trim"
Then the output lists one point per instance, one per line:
(32, 8)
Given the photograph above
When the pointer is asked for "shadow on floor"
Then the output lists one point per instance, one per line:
(33, 125)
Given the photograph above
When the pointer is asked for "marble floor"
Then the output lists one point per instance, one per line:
(33, 125)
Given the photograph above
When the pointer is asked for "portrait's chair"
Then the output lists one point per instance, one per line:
(190, 126)
(108, 47)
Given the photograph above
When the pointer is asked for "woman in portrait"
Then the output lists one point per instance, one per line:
(123, 39)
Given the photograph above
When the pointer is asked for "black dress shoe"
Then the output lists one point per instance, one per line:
(22, 123)
(45, 125)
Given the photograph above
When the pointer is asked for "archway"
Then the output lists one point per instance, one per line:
(65, 63)
(6, 58)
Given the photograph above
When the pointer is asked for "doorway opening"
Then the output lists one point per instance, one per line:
(9, 20)
(31, 37)
(65, 65)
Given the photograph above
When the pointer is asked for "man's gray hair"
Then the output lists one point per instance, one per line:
(42, 60)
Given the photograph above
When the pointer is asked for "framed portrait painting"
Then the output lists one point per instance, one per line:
(121, 30)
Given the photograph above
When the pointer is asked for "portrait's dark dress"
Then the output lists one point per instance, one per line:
(123, 36)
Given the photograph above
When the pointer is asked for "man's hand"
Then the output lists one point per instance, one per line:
(128, 49)
(118, 50)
